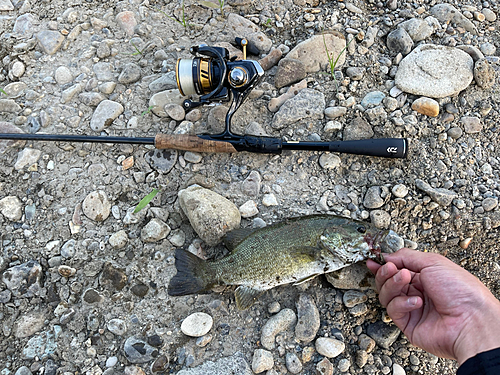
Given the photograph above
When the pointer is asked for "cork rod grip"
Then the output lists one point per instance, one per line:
(191, 143)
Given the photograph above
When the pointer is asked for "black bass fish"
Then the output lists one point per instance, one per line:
(292, 251)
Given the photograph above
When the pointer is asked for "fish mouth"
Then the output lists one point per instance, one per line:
(374, 242)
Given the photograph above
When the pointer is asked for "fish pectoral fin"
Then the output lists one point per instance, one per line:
(301, 281)
(236, 236)
(246, 296)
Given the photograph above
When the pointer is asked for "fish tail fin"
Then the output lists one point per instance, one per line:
(193, 274)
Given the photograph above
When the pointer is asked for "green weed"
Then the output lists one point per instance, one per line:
(145, 201)
(332, 62)
(137, 50)
(145, 112)
(183, 21)
(268, 23)
(215, 6)
(3, 92)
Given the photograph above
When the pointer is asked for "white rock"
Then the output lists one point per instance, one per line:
(96, 206)
(262, 361)
(398, 370)
(329, 347)
(63, 75)
(329, 161)
(117, 327)
(210, 214)
(248, 209)
(27, 157)
(435, 71)
(105, 113)
(154, 231)
(159, 100)
(269, 200)
(197, 324)
(12, 208)
(119, 239)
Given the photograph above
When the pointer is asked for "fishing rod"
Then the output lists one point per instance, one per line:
(215, 77)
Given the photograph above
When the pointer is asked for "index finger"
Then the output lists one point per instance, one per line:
(413, 260)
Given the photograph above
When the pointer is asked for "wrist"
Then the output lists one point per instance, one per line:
(481, 334)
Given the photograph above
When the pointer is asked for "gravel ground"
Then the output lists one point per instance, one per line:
(84, 281)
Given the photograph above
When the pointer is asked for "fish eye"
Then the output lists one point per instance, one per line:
(361, 229)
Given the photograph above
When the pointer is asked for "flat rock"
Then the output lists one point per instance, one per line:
(446, 13)
(155, 231)
(262, 361)
(161, 160)
(484, 74)
(24, 24)
(280, 322)
(358, 128)
(443, 197)
(7, 127)
(312, 52)
(165, 82)
(426, 106)
(238, 26)
(398, 41)
(104, 115)
(356, 276)
(139, 351)
(308, 319)
(329, 347)
(29, 324)
(159, 100)
(104, 71)
(9, 105)
(117, 326)
(119, 239)
(197, 324)
(435, 71)
(383, 334)
(417, 28)
(210, 214)
(235, 364)
(289, 71)
(6, 5)
(352, 298)
(24, 279)
(127, 22)
(131, 73)
(96, 206)
(27, 157)
(50, 41)
(471, 124)
(307, 105)
(251, 185)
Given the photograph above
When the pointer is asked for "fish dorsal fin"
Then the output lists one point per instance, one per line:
(246, 296)
(236, 236)
(305, 279)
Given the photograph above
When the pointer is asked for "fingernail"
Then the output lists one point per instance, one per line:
(412, 301)
(383, 271)
(397, 277)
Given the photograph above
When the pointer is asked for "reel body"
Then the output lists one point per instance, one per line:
(215, 77)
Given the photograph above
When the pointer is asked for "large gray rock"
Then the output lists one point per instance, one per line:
(443, 197)
(210, 214)
(50, 41)
(358, 128)
(417, 28)
(162, 98)
(398, 41)
(307, 105)
(446, 13)
(435, 71)
(238, 26)
(312, 52)
(308, 320)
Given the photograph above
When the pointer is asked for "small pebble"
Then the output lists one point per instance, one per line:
(329, 347)
(197, 324)
(262, 361)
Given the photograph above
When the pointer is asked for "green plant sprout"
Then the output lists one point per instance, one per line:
(145, 201)
(268, 23)
(138, 51)
(3, 92)
(146, 111)
(333, 62)
(182, 21)
(214, 6)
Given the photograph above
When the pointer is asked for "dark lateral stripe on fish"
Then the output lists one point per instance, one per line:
(190, 274)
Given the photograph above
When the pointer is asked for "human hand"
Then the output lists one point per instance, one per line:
(438, 305)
